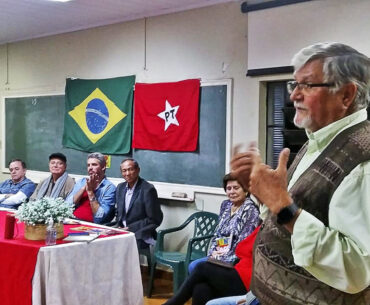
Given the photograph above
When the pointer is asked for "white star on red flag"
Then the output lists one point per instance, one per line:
(169, 115)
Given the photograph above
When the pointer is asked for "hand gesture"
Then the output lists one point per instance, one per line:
(92, 183)
(242, 163)
(270, 186)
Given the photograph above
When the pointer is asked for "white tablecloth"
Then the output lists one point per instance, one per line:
(103, 272)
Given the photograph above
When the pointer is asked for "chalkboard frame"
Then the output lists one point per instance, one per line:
(165, 190)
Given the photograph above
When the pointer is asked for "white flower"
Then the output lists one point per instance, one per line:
(42, 210)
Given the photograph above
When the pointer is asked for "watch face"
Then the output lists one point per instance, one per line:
(287, 214)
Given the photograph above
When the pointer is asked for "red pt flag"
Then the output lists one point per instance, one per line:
(166, 116)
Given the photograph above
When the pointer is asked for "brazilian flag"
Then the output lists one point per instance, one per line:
(98, 114)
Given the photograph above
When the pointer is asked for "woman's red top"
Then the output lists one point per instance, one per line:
(244, 251)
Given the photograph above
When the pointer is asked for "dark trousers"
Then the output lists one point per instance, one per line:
(208, 281)
(142, 244)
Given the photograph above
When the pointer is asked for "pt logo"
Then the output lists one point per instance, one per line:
(169, 115)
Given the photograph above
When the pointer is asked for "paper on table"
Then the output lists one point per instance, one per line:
(69, 221)
(87, 238)
(81, 228)
(94, 230)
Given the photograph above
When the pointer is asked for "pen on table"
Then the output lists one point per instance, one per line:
(78, 233)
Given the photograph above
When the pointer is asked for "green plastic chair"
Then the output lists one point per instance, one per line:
(204, 226)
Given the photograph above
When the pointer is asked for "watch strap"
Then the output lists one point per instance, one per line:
(287, 213)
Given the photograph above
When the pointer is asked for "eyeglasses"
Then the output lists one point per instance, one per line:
(303, 86)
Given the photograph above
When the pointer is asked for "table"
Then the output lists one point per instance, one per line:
(103, 272)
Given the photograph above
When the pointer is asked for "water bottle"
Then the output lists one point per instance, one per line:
(51, 234)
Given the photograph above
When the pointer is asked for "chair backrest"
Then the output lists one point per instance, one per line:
(204, 224)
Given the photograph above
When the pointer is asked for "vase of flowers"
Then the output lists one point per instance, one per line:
(37, 214)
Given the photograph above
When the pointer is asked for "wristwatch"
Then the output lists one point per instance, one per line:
(287, 214)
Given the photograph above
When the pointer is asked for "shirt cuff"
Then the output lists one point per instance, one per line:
(306, 232)
(99, 213)
(15, 199)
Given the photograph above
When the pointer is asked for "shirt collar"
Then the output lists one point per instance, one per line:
(15, 183)
(101, 183)
(319, 139)
(133, 187)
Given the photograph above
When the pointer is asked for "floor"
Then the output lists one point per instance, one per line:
(162, 289)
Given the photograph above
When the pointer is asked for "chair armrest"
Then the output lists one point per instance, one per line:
(194, 239)
(163, 232)
(169, 230)
(190, 243)
(174, 229)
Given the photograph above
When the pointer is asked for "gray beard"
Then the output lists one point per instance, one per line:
(304, 123)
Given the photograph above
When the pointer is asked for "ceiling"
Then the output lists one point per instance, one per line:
(26, 19)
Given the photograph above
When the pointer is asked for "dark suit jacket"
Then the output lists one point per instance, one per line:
(144, 214)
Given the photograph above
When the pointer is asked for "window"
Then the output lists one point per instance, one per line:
(281, 131)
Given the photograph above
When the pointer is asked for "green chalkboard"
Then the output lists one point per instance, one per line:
(34, 129)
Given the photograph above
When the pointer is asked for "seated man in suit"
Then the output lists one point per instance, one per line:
(138, 207)
(58, 184)
(94, 196)
(13, 191)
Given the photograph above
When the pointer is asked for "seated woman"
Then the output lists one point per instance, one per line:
(239, 216)
(210, 281)
(58, 184)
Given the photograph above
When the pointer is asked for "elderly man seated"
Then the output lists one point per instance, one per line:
(13, 191)
(138, 207)
(58, 184)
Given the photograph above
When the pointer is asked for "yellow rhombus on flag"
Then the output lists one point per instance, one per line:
(79, 115)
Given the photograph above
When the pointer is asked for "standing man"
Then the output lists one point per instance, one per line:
(59, 184)
(314, 245)
(94, 196)
(138, 207)
(13, 191)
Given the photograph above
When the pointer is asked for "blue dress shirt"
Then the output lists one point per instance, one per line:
(105, 194)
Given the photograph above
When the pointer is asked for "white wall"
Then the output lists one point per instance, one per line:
(192, 44)
(275, 35)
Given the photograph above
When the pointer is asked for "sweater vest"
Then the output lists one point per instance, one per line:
(276, 279)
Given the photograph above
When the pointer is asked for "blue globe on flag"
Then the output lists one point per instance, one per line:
(97, 116)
